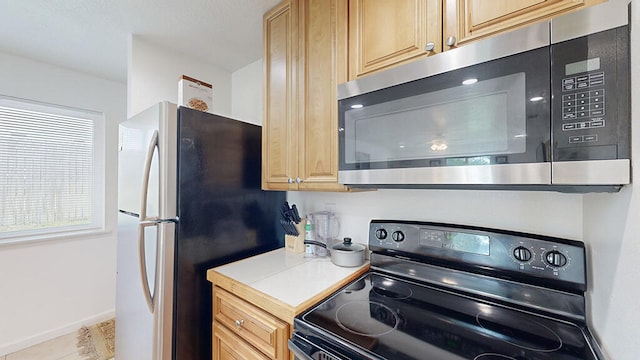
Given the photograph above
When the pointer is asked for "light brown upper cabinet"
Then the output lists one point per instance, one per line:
(469, 20)
(305, 57)
(383, 33)
(279, 126)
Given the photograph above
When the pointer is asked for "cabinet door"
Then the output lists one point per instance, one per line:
(383, 33)
(255, 326)
(279, 128)
(323, 55)
(227, 346)
(469, 20)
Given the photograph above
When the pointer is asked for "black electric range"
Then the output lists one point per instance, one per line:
(443, 291)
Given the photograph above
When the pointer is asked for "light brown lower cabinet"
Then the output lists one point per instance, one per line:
(241, 330)
(228, 346)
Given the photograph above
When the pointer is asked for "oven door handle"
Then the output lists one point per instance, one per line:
(302, 349)
(298, 353)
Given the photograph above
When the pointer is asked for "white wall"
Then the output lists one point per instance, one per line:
(511, 210)
(153, 74)
(612, 231)
(246, 93)
(51, 288)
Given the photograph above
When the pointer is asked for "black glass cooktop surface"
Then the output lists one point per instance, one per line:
(388, 318)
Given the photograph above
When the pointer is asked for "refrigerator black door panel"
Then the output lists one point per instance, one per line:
(223, 216)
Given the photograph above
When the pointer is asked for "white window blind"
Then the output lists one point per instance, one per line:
(50, 168)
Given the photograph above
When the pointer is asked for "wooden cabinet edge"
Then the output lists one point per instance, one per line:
(316, 299)
(278, 186)
(263, 301)
(271, 305)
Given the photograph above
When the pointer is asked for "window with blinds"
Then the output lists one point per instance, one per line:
(50, 170)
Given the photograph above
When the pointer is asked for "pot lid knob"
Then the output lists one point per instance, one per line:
(347, 241)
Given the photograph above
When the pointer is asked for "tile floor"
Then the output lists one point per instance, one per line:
(60, 348)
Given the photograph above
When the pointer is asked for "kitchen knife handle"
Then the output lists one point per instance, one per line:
(296, 214)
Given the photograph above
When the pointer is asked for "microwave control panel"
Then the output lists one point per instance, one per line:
(583, 105)
(591, 97)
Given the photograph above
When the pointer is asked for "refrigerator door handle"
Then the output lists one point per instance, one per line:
(150, 298)
(153, 145)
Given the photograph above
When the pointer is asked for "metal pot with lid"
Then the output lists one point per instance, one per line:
(346, 253)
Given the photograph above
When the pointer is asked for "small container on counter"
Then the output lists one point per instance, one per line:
(308, 236)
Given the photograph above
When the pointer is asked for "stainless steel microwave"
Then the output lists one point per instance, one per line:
(546, 107)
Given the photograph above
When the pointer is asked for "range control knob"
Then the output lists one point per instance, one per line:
(397, 236)
(555, 258)
(381, 234)
(521, 253)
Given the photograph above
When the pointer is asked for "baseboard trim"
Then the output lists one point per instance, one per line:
(21, 344)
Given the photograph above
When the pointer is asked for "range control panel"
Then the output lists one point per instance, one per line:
(524, 254)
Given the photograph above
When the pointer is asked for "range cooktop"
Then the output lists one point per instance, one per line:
(444, 291)
(390, 318)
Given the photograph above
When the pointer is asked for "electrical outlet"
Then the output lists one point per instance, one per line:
(331, 207)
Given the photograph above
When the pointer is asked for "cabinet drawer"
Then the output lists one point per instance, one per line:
(257, 327)
(228, 346)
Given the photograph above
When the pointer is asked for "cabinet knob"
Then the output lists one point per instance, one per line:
(298, 180)
(290, 181)
(239, 323)
(430, 46)
(451, 40)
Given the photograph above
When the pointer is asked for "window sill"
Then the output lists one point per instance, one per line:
(53, 237)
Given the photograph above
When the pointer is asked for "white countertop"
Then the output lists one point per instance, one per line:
(290, 278)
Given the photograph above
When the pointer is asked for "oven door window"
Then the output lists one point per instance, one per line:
(494, 112)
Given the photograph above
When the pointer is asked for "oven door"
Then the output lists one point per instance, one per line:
(472, 119)
(305, 350)
(310, 342)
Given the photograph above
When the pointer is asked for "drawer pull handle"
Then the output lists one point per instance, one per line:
(239, 323)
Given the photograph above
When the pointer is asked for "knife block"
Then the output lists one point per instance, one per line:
(295, 244)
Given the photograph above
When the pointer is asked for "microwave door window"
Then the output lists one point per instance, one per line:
(481, 119)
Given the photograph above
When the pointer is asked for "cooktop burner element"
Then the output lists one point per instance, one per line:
(454, 292)
(366, 318)
(391, 289)
(512, 329)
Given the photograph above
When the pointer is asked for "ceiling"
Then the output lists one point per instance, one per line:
(92, 35)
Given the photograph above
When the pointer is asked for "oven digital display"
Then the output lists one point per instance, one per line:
(582, 66)
(453, 240)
